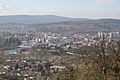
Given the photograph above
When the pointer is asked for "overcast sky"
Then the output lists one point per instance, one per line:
(69, 8)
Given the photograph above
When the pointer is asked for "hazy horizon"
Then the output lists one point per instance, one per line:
(58, 16)
(93, 9)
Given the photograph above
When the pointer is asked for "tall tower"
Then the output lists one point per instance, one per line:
(111, 35)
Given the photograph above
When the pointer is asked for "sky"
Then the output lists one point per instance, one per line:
(68, 8)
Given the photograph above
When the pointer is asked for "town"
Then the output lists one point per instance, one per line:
(42, 55)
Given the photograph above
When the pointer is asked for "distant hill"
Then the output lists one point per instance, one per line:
(52, 23)
(35, 19)
(82, 26)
